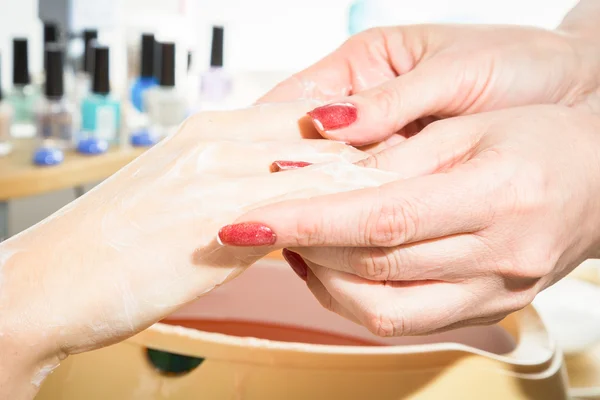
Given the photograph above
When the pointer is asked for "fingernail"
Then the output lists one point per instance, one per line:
(247, 234)
(333, 116)
(296, 262)
(287, 165)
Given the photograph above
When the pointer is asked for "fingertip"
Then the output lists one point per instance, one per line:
(246, 234)
(333, 116)
(345, 122)
(285, 165)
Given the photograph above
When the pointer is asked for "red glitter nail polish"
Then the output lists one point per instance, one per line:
(334, 116)
(287, 165)
(247, 234)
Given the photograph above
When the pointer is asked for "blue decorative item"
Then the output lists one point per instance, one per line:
(92, 146)
(46, 156)
(138, 89)
(142, 139)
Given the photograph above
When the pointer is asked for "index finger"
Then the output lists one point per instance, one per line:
(396, 213)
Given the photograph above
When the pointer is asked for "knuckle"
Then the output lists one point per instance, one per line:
(392, 223)
(309, 231)
(515, 300)
(518, 301)
(382, 160)
(378, 265)
(387, 101)
(533, 266)
(384, 325)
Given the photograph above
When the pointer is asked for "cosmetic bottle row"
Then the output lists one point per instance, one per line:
(74, 108)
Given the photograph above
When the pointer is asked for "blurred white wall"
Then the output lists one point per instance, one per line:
(261, 34)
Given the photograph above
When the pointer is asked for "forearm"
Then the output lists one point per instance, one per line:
(22, 369)
(29, 324)
(583, 19)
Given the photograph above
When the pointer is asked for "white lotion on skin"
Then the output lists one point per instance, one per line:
(43, 373)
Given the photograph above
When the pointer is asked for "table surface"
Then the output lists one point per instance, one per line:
(19, 177)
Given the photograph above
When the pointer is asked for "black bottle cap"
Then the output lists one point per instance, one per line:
(54, 71)
(101, 81)
(89, 37)
(51, 35)
(216, 51)
(20, 62)
(148, 45)
(166, 73)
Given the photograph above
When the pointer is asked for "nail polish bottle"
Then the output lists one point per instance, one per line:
(101, 112)
(165, 104)
(6, 115)
(23, 97)
(147, 78)
(55, 114)
(215, 84)
(82, 81)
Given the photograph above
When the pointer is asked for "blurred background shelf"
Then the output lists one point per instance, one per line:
(20, 178)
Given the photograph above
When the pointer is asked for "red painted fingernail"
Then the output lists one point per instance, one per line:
(296, 262)
(287, 165)
(247, 234)
(333, 116)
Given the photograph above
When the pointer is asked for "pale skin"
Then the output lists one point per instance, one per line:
(143, 243)
(493, 208)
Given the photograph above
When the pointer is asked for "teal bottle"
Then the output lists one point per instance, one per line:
(23, 97)
(100, 111)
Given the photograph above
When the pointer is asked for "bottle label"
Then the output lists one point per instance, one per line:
(106, 123)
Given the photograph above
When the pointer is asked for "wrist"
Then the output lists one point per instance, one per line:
(23, 368)
(28, 347)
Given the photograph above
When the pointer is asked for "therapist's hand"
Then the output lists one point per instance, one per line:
(398, 79)
(494, 207)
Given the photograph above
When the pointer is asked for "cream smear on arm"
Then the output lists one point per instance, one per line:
(143, 243)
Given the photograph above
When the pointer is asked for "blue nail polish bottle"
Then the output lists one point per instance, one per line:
(147, 79)
(100, 111)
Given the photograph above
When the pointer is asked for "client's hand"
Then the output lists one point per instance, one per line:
(143, 243)
(494, 208)
(386, 84)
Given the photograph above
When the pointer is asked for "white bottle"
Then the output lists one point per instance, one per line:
(166, 105)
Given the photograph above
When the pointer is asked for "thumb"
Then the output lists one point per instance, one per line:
(376, 114)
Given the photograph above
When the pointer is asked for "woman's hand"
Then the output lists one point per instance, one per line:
(386, 84)
(494, 208)
(143, 243)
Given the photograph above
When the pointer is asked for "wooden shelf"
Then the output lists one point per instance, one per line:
(19, 177)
